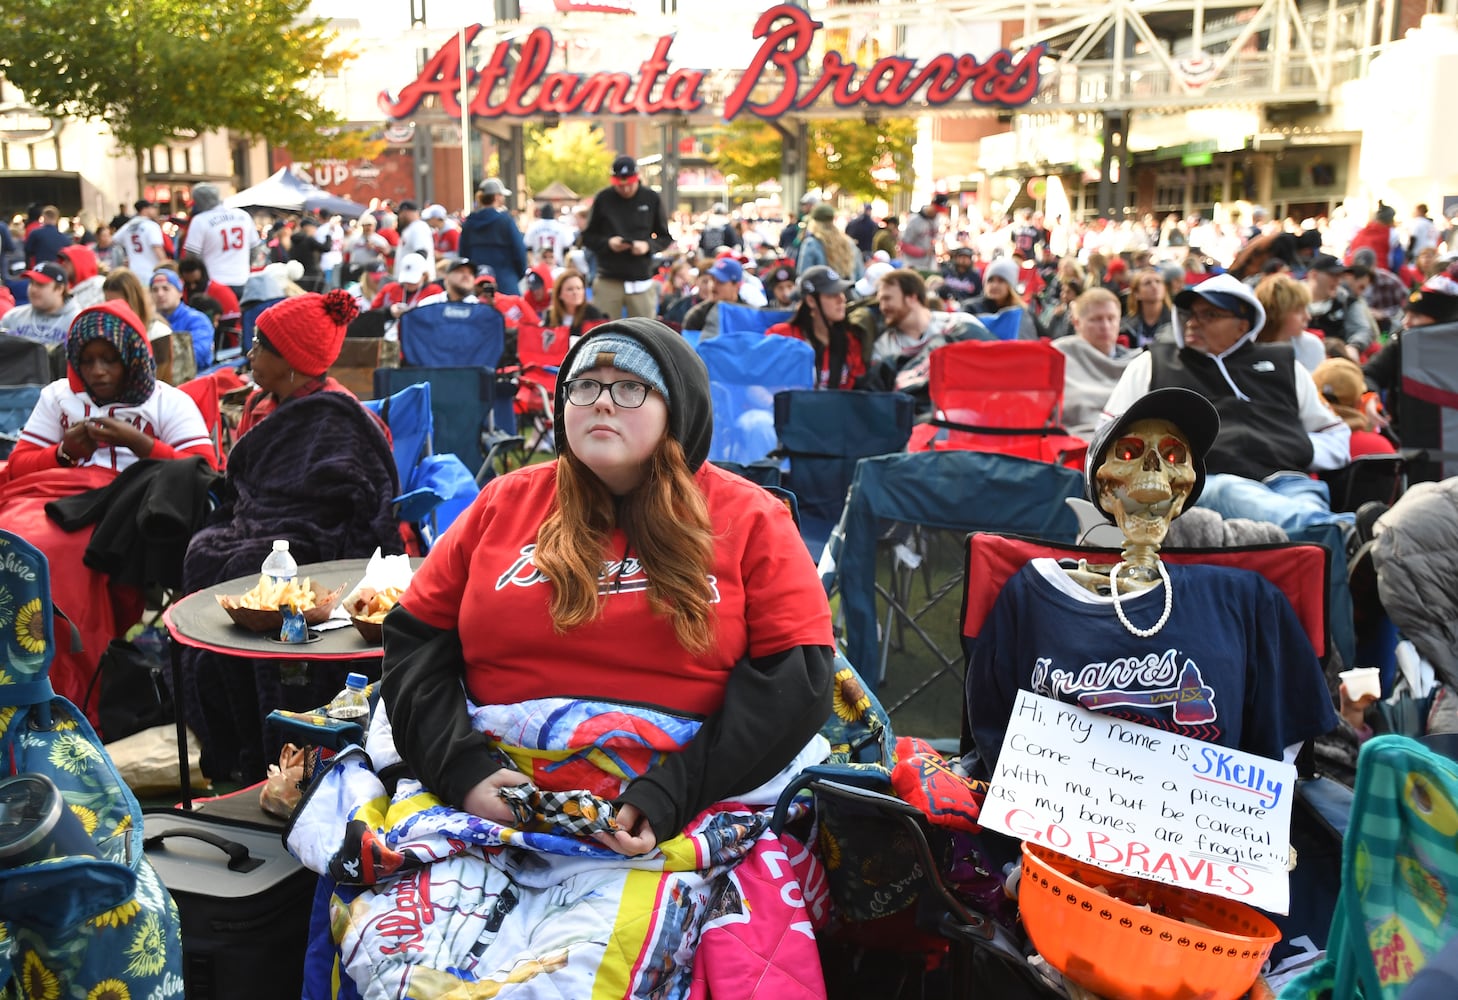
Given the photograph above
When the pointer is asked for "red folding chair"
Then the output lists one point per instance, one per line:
(1003, 396)
(540, 350)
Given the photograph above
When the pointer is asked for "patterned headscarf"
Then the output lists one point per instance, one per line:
(115, 323)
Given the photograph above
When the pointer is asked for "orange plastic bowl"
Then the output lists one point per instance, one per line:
(1124, 952)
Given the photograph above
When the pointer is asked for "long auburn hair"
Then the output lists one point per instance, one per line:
(667, 524)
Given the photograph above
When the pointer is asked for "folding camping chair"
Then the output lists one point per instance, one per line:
(540, 350)
(735, 318)
(1427, 407)
(436, 489)
(1002, 396)
(983, 959)
(462, 413)
(745, 372)
(467, 337)
(904, 520)
(824, 435)
(1302, 572)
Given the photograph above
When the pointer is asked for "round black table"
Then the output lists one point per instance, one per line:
(199, 622)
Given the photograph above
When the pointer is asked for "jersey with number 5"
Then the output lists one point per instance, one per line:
(224, 238)
(140, 237)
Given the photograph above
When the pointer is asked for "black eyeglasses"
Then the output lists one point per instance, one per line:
(625, 392)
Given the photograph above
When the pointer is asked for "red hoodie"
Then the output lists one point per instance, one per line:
(82, 261)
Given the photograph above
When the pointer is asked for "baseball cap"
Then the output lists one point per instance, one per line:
(166, 274)
(492, 185)
(406, 206)
(1228, 301)
(486, 275)
(459, 262)
(142, 203)
(821, 280)
(1191, 412)
(625, 168)
(433, 212)
(782, 271)
(1327, 264)
(941, 202)
(727, 269)
(1437, 298)
(412, 269)
(962, 251)
(48, 273)
(875, 271)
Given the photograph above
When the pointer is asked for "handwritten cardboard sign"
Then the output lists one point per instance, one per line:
(1145, 802)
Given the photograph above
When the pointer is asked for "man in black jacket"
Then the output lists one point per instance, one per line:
(626, 227)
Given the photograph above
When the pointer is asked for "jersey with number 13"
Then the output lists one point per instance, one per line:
(224, 238)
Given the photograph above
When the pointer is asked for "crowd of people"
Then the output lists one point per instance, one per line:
(1291, 333)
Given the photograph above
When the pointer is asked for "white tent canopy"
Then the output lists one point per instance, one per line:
(284, 191)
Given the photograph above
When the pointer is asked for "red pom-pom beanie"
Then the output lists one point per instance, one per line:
(307, 330)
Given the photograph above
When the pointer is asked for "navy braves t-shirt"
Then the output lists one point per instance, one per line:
(1232, 666)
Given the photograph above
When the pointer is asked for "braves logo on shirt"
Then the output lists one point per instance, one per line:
(619, 576)
(1150, 682)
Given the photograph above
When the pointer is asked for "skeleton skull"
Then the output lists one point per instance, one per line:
(1145, 478)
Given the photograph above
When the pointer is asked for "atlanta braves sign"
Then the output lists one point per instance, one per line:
(518, 84)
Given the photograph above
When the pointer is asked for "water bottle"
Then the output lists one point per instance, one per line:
(351, 704)
(280, 565)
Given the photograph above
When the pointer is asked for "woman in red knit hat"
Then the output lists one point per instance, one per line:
(311, 465)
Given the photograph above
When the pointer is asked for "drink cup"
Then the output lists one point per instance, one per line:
(1361, 681)
(36, 824)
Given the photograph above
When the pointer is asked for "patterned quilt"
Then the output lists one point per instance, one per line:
(434, 902)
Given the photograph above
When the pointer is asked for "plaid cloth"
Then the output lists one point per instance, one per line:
(1387, 294)
(577, 813)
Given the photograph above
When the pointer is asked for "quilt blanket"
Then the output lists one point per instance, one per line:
(435, 902)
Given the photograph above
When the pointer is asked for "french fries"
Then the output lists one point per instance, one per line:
(373, 605)
(271, 595)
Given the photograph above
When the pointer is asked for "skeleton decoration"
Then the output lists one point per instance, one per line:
(1150, 467)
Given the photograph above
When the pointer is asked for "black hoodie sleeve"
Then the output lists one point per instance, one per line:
(772, 706)
(422, 689)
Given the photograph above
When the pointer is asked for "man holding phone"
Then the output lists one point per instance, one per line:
(627, 226)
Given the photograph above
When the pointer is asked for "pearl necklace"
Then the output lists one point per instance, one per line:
(1143, 633)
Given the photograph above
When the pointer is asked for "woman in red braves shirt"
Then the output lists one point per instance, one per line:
(628, 570)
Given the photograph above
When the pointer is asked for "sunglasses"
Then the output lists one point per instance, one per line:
(626, 393)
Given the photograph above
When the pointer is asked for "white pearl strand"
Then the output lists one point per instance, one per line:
(1143, 633)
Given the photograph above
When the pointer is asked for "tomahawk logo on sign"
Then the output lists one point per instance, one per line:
(1144, 802)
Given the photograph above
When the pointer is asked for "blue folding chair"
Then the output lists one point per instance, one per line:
(1003, 325)
(436, 488)
(745, 372)
(747, 319)
(824, 435)
(462, 411)
(452, 334)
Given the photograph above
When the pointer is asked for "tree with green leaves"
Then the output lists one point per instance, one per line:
(155, 70)
(572, 152)
(846, 155)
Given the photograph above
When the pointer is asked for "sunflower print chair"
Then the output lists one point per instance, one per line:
(80, 927)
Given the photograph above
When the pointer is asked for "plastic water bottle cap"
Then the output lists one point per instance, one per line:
(280, 545)
(357, 681)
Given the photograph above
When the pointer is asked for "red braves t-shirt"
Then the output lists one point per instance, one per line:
(480, 579)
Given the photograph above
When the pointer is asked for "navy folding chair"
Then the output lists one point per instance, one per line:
(16, 402)
(745, 372)
(824, 435)
(452, 334)
(905, 518)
